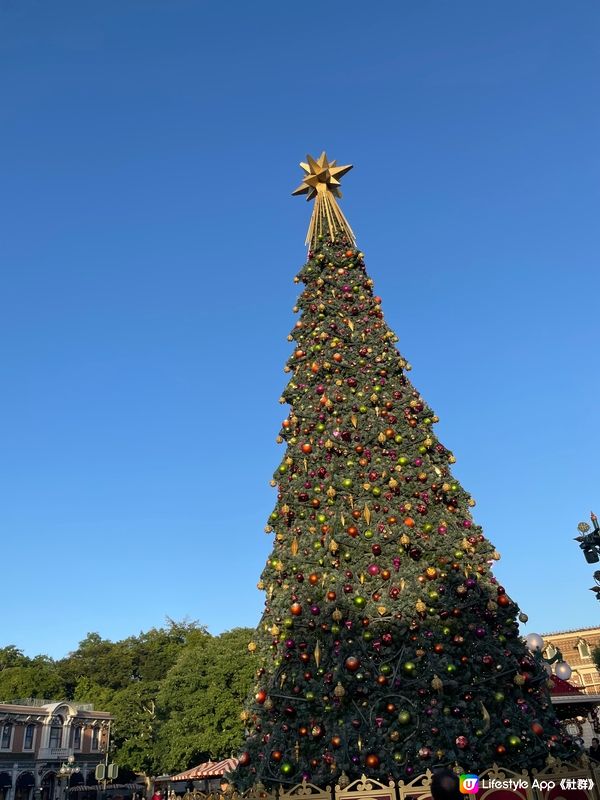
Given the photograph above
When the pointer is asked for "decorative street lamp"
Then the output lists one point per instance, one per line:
(590, 544)
(67, 769)
(596, 588)
(562, 670)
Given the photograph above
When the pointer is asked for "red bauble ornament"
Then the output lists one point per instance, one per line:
(501, 749)
(244, 759)
(352, 664)
(503, 600)
(336, 741)
(261, 696)
(537, 728)
(462, 742)
(276, 755)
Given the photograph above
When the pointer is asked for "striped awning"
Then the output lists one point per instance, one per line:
(210, 769)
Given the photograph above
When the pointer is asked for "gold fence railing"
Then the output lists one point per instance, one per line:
(559, 781)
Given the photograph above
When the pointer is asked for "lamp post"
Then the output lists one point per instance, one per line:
(67, 769)
(535, 644)
(589, 542)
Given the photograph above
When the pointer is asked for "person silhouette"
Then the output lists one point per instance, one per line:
(445, 785)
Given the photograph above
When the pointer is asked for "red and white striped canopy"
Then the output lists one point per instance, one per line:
(210, 769)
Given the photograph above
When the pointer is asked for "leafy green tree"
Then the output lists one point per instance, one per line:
(125, 678)
(105, 663)
(30, 677)
(11, 656)
(201, 700)
(386, 644)
(135, 727)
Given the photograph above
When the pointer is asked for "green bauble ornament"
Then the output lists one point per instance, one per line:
(409, 667)
(286, 768)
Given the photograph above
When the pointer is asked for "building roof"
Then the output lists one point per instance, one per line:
(210, 769)
(18, 709)
(572, 631)
(564, 688)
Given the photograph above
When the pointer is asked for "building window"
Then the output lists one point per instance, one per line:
(584, 649)
(95, 738)
(77, 738)
(28, 738)
(5, 741)
(55, 736)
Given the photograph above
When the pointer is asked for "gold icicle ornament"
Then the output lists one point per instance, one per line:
(321, 183)
(485, 715)
(317, 654)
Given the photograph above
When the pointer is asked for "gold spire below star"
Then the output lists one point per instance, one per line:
(321, 182)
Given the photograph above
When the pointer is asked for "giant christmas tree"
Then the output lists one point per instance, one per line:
(387, 646)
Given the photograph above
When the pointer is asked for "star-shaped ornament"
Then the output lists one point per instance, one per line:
(321, 176)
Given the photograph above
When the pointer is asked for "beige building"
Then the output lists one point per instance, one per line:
(577, 647)
(37, 738)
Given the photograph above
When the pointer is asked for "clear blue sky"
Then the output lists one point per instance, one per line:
(148, 247)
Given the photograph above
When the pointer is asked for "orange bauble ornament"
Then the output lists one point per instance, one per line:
(306, 448)
(372, 761)
(296, 609)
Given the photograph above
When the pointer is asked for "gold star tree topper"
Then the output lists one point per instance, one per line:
(321, 183)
